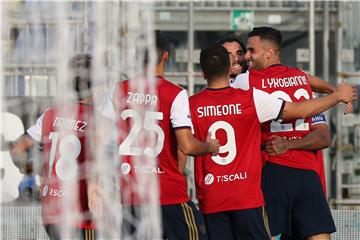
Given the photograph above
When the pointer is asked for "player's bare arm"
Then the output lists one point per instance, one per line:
(181, 161)
(344, 93)
(320, 86)
(189, 145)
(94, 198)
(98, 142)
(18, 150)
(319, 138)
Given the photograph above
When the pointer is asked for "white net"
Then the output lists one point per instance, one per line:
(39, 39)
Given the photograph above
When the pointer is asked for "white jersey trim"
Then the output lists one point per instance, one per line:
(241, 81)
(267, 107)
(180, 111)
(35, 131)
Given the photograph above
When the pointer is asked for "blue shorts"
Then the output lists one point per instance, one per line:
(239, 224)
(295, 202)
(179, 221)
(183, 221)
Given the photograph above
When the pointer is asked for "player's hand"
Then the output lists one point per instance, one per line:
(276, 145)
(348, 108)
(214, 144)
(346, 92)
(94, 200)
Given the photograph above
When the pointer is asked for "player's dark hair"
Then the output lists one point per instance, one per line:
(161, 45)
(267, 33)
(80, 64)
(214, 61)
(232, 38)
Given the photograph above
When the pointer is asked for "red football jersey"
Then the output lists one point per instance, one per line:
(64, 134)
(321, 169)
(231, 180)
(141, 114)
(290, 84)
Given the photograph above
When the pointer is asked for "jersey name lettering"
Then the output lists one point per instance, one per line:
(141, 98)
(219, 110)
(284, 82)
(68, 123)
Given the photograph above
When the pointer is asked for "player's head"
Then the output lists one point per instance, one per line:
(162, 52)
(236, 50)
(80, 66)
(263, 47)
(214, 62)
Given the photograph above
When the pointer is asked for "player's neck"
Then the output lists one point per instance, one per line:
(159, 70)
(274, 61)
(221, 82)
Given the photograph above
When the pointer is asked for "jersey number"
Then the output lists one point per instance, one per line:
(300, 124)
(148, 123)
(69, 149)
(229, 146)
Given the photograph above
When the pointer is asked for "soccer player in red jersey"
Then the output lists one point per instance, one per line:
(297, 165)
(64, 132)
(228, 185)
(316, 139)
(321, 137)
(238, 65)
(163, 112)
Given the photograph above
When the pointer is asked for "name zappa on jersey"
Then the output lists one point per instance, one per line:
(284, 82)
(141, 98)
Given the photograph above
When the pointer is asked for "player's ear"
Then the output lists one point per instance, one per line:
(203, 75)
(270, 53)
(165, 56)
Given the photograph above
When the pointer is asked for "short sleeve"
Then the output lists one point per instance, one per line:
(35, 131)
(241, 81)
(180, 112)
(267, 107)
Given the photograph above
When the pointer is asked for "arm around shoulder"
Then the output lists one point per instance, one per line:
(344, 93)
(320, 86)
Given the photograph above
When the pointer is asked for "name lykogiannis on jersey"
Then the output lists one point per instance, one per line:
(219, 110)
(284, 82)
